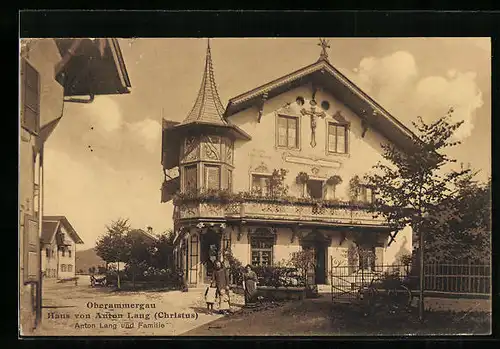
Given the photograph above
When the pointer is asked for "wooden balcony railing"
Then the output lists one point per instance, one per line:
(255, 209)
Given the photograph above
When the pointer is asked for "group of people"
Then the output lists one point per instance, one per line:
(218, 290)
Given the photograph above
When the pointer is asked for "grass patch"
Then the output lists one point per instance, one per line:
(351, 319)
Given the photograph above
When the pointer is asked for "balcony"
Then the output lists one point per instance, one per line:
(258, 209)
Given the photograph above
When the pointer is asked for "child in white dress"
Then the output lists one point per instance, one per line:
(224, 305)
(210, 295)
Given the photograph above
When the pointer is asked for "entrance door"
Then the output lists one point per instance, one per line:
(210, 247)
(319, 251)
(320, 272)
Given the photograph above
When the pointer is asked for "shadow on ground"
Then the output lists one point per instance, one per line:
(321, 317)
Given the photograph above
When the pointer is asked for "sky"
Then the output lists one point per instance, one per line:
(103, 160)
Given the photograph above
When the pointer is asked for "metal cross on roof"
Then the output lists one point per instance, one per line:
(324, 45)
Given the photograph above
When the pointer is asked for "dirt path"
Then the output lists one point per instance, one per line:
(74, 311)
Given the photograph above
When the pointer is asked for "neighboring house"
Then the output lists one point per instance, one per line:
(52, 72)
(314, 123)
(58, 242)
(147, 235)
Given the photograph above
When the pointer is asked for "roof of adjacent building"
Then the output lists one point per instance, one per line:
(91, 67)
(143, 233)
(51, 225)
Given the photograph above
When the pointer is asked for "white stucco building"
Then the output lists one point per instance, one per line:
(313, 123)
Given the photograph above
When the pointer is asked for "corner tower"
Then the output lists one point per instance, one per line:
(201, 146)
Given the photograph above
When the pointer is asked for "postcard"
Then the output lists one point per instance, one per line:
(254, 186)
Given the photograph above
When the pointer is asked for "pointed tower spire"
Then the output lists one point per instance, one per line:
(208, 107)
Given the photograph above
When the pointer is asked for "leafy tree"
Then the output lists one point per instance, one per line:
(461, 229)
(418, 182)
(113, 246)
(163, 250)
(138, 256)
(304, 261)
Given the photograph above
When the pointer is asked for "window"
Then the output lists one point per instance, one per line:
(30, 98)
(212, 177)
(63, 251)
(288, 132)
(262, 250)
(47, 252)
(190, 178)
(367, 258)
(69, 253)
(337, 138)
(70, 267)
(261, 184)
(194, 259)
(63, 267)
(365, 194)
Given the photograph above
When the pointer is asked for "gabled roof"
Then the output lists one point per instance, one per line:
(49, 229)
(144, 234)
(51, 225)
(322, 73)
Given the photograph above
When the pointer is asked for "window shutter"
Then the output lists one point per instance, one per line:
(30, 98)
(31, 250)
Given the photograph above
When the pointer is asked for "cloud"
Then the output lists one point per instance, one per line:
(388, 77)
(105, 114)
(436, 94)
(147, 133)
(394, 82)
(92, 194)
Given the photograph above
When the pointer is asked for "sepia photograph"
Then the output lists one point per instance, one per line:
(254, 186)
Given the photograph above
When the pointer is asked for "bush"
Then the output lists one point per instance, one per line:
(390, 280)
(235, 268)
(163, 277)
(278, 276)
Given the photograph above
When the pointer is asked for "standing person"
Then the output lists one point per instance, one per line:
(250, 286)
(210, 295)
(221, 279)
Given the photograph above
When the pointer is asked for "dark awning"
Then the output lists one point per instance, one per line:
(170, 145)
(94, 66)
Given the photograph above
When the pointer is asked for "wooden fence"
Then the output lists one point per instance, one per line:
(447, 279)
(466, 278)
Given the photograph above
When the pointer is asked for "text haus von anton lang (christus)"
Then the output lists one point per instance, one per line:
(314, 126)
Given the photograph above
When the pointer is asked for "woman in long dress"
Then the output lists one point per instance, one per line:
(250, 286)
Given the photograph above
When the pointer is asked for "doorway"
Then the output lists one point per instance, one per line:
(210, 245)
(315, 189)
(318, 244)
